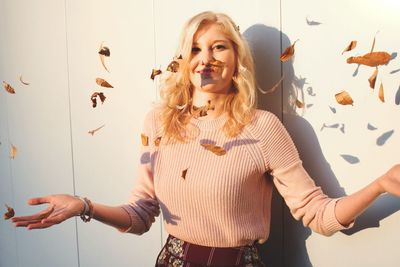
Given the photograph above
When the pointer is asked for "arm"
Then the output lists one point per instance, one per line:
(349, 207)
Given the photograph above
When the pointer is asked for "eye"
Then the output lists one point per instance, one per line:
(219, 47)
(195, 49)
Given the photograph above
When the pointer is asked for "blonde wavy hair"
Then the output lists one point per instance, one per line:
(177, 91)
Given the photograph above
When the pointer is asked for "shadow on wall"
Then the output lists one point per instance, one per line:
(286, 245)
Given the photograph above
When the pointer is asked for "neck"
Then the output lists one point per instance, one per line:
(201, 98)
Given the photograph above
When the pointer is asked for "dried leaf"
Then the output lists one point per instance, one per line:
(103, 83)
(344, 98)
(299, 104)
(350, 47)
(104, 52)
(381, 93)
(8, 88)
(372, 59)
(384, 137)
(145, 139)
(21, 80)
(312, 22)
(310, 91)
(273, 88)
(394, 71)
(9, 214)
(173, 66)
(350, 159)
(373, 42)
(217, 150)
(372, 79)
(154, 73)
(157, 141)
(13, 151)
(342, 128)
(397, 97)
(92, 132)
(288, 53)
(202, 111)
(371, 127)
(333, 109)
(94, 98)
(183, 175)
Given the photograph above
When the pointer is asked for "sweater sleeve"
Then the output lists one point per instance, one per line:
(143, 206)
(305, 200)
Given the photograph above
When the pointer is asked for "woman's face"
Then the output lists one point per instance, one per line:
(213, 60)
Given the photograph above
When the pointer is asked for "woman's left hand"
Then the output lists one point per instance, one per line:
(390, 181)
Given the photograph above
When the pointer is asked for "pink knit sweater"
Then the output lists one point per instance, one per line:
(225, 200)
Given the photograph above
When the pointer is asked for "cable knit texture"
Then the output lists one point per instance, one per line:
(224, 201)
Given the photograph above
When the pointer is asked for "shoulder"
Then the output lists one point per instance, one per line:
(264, 119)
(152, 119)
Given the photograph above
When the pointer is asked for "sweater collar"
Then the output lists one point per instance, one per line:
(210, 124)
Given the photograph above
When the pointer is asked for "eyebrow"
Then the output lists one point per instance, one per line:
(215, 41)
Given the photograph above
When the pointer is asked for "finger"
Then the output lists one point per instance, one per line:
(39, 200)
(36, 216)
(39, 225)
(25, 223)
(55, 220)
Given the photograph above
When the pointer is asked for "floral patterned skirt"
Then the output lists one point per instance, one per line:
(178, 253)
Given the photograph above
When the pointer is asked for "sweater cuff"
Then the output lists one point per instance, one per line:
(137, 224)
(332, 224)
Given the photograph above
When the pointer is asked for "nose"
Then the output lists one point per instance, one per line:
(206, 56)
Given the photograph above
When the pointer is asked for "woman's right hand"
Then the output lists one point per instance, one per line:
(61, 208)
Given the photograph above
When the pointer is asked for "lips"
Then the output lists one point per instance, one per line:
(205, 71)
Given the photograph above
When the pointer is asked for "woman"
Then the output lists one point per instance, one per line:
(205, 151)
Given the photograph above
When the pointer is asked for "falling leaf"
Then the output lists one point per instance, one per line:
(145, 139)
(394, 71)
(372, 59)
(350, 47)
(184, 173)
(21, 80)
(46, 214)
(202, 111)
(103, 83)
(9, 214)
(370, 127)
(92, 132)
(372, 79)
(350, 159)
(299, 104)
(94, 98)
(13, 151)
(8, 88)
(381, 93)
(373, 42)
(344, 98)
(310, 91)
(288, 53)
(154, 73)
(217, 150)
(312, 22)
(104, 52)
(356, 70)
(273, 88)
(173, 66)
(309, 105)
(157, 141)
(397, 97)
(333, 109)
(384, 137)
(180, 57)
(342, 128)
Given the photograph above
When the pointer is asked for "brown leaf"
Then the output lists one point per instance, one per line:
(202, 111)
(184, 173)
(217, 150)
(350, 47)
(154, 73)
(344, 98)
(13, 151)
(173, 66)
(8, 88)
(103, 83)
(9, 214)
(157, 141)
(381, 93)
(372, 59)
(180, 57)
(145, 139)
(92, 132)
(104, 52)
(299, 104)
(288, 53)
(20, 79)
(94, 98)
(372, 79)
(273, 88)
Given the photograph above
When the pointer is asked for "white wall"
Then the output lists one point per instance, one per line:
(54, 44)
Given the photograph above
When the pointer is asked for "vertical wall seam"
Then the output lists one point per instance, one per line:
(70, 127)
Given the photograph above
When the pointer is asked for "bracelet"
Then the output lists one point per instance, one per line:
(87, 213)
